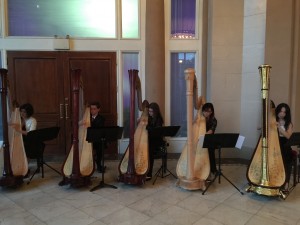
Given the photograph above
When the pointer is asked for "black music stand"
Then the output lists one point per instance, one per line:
(159, 132)
(103, 135)
(37, 138)
(225, 140)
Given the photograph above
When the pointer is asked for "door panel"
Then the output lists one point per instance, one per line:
(43, 79)
(36, 78)
(99, 83)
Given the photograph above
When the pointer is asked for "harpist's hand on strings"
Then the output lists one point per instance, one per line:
(16, 127)
(280, 127)
(83, 123)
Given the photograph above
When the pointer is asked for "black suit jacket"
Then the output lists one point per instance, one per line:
(97, 123)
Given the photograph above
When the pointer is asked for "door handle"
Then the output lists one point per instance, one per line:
(61, 108)
(66, 111)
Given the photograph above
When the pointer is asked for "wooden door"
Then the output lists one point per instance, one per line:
(36, 77)
(98, 72)
(43, 79)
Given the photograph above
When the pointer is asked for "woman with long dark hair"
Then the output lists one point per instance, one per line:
(285, 131)
(208, 112)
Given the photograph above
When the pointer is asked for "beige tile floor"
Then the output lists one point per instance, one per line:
(43, 201)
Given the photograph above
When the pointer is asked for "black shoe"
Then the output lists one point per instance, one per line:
(148, 177)
(27, 174)
(214, 172)
(101, 169)
(285, 188)
(211, 176)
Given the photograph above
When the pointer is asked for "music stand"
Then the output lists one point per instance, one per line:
(103, 135)
(224, 140)
(37, 138)
(159, 132)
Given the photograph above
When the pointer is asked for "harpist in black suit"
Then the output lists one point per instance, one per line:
(97, 121)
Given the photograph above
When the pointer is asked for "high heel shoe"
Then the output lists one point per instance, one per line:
(285, 188)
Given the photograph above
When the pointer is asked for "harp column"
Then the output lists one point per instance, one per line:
(189, 77)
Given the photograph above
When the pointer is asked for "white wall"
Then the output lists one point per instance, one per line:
(253, 56)
(225, 60)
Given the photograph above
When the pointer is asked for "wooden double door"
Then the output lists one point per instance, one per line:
(44, 80)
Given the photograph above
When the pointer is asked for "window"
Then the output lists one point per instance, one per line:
(130, 21)
(183, 19)
(77, 18)
(130, 61)
(179, 62)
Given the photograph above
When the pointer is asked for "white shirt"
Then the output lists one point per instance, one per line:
(30, 124)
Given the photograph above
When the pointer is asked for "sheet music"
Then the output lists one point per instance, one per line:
(240, 142)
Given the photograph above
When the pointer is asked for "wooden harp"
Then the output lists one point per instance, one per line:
(135, 162)
(13, 157)
(193, 165)
(79, 165)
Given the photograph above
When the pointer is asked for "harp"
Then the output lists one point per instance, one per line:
(13, 158)
(266, 173)
(135, 162)
(193, 165)
(79, 165)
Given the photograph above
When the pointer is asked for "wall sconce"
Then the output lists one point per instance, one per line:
(60, 43)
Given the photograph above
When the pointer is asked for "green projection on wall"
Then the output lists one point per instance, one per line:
(77, 18)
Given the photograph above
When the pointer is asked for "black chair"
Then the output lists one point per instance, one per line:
(37, 155)
(35, 147)
(159, 133)
(295, 141)
(162, 153)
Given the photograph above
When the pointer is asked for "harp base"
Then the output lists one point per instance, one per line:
(134, 179)
(267, 191)
(190, 184)
(76, 181)
(11, 181)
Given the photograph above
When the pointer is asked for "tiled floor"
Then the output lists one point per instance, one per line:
(43, 201)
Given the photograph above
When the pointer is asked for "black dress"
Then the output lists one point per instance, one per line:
(98, 122)
(212, 125)
(286, 152)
